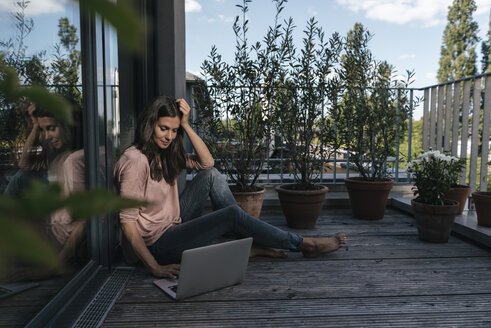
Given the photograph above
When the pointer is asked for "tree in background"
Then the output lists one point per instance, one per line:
(67, 62)
(485, 51)
(36, 70)
(458, 53)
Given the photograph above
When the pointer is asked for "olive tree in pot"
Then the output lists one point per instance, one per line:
(301, 122)
(234, 104)
(374, 115)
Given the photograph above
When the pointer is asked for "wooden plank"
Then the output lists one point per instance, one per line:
(475, 319)
(366, 265)
(448, 118)
(425, 119)
(331, 306)
(38, 296)
(277, 287)
(311, 285)
(382, 279)
(465, 127)
(475, 134)
(432, 119)
(440, 118)
(17, 316)
(455, 118)
(483, 182)
(265, 266)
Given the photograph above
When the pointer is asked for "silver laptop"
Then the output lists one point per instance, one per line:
(209, 268)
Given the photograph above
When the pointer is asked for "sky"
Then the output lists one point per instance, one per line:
(406, 33)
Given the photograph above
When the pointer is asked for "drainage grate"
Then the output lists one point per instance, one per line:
(96, 311)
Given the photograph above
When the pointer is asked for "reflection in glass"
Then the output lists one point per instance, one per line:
(49, 155)
(42, 45)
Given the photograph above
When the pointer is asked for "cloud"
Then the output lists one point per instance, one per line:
(226, 19)
(483, 6)
(192, 6)
(423, 12)
(36, 7)
(430, 75)
(407, 56)
(311, 11)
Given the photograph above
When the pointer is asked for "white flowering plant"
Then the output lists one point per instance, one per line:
(434, 173)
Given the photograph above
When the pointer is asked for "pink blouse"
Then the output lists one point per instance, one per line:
(132, 175)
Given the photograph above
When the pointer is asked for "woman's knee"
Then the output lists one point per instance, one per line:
(213, 175)
(210, 173)
(235, 212)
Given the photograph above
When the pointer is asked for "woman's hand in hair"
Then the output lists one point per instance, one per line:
(185, 110)
(30, 111)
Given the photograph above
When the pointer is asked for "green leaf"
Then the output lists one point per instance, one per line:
(97, 202)
(19, 241)
(50, 102)
(10, 83)
(129, 27)
(11, 207)
(42, 199)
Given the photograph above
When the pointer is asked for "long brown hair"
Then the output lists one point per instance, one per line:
(164, 163)
(71, 136)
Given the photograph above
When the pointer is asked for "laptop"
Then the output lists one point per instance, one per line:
(209, 268)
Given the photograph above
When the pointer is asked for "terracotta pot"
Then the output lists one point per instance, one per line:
(301, 207)
(482, 200)
(459, 193)
(368, 198)
(435, 222)
(250, 201)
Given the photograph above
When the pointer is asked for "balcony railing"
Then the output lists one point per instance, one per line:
(456, 120)
(449, 125)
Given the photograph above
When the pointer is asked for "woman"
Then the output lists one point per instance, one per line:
(44, 151)
(159, 232)
(48, 156)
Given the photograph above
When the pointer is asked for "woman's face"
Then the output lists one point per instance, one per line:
(165, 131)
(51, 131)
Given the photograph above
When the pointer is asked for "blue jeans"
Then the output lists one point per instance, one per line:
(22, 180)
(196, 231)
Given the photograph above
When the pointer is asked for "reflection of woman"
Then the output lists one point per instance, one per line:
(47, 156)
(45, 150)
(171, 223)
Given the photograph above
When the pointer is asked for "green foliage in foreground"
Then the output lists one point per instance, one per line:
(129, 27)
(18, 238)
(18, 217)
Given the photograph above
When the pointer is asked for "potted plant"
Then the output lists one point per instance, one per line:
(433, 176)
(482, 201)
(301, 123)
(374, 113)
(233, 105)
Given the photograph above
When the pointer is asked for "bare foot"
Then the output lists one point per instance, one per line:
(313, 247)
(257, 250)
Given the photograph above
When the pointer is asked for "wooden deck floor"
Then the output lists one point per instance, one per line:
(17, 310)
(385, 277)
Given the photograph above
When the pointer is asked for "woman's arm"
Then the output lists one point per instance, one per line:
(199, 146)
(25, 160)
(136, 241)
(72, 242)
